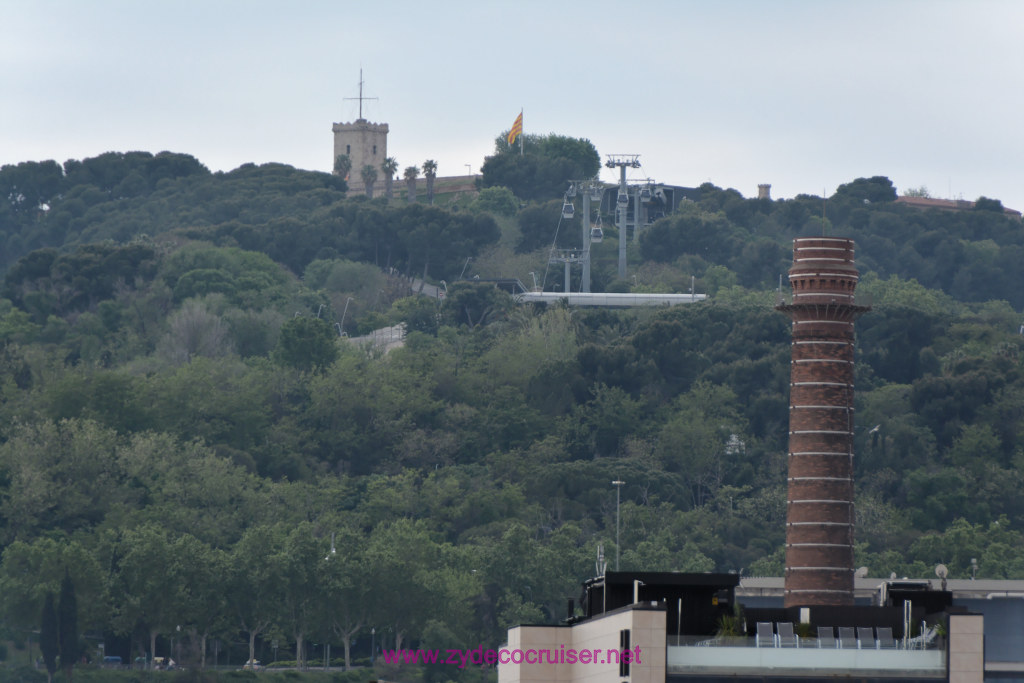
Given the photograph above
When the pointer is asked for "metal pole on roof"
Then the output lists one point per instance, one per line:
(618, 496)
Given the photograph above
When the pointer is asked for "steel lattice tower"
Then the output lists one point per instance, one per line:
(820, 512)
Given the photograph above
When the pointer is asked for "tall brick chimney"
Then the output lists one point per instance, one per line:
(819, 513)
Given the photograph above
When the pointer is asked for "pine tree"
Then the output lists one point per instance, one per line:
(67, 626)
(49, 641)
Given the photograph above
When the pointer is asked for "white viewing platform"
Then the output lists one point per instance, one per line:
(609, 299)
(739, 656)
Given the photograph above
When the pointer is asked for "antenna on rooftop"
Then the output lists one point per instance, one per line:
(360, 98)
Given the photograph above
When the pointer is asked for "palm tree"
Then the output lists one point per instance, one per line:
(390, 168)
(369, 175)
(410, 175)
(430, 171)
(342, 166)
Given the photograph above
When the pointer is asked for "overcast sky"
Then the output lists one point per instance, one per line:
(804, 95)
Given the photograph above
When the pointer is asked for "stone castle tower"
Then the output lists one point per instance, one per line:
(365, 143)
(820, 513)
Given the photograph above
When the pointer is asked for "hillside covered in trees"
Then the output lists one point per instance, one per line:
(184, 428)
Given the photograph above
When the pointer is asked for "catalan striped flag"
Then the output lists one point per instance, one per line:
(517, 129)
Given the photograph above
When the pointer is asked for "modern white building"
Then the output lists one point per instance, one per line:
(672, 625)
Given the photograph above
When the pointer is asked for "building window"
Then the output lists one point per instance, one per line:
(348, 149)
(624, 652)
(375, 149)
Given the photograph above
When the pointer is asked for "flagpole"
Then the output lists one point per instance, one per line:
(520, 134)
(517, 131)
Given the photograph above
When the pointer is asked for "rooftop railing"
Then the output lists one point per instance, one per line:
(741, 655)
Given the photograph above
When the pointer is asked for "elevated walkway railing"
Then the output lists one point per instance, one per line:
(741, 656)
(802, 643)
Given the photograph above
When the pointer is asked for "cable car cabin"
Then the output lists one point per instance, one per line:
(645, 194)
(595, 193)
(596, 234)
(571, 192)
(623, 200)
(568, 210)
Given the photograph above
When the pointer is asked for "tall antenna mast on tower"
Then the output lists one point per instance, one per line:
(360, 98)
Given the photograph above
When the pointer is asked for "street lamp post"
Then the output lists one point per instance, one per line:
(345, 312)
(618, 497)
(373, 643)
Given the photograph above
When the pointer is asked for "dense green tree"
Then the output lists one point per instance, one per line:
(440, 241)
(189, 488)
(222, 402)
(59, 477)
(497, 200)
(27, 186)
(148, 583)
(703, 441)
(402, 557)
(254, 583)
(306, 344)
(419, 314)
(540, 226)
(362, 280)
(544, 168)
(474, 305)
(205, 610)
(245, 278)
(348, 596)
(301, 559)
(47, 283)
(986, 204)
(869, 190)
